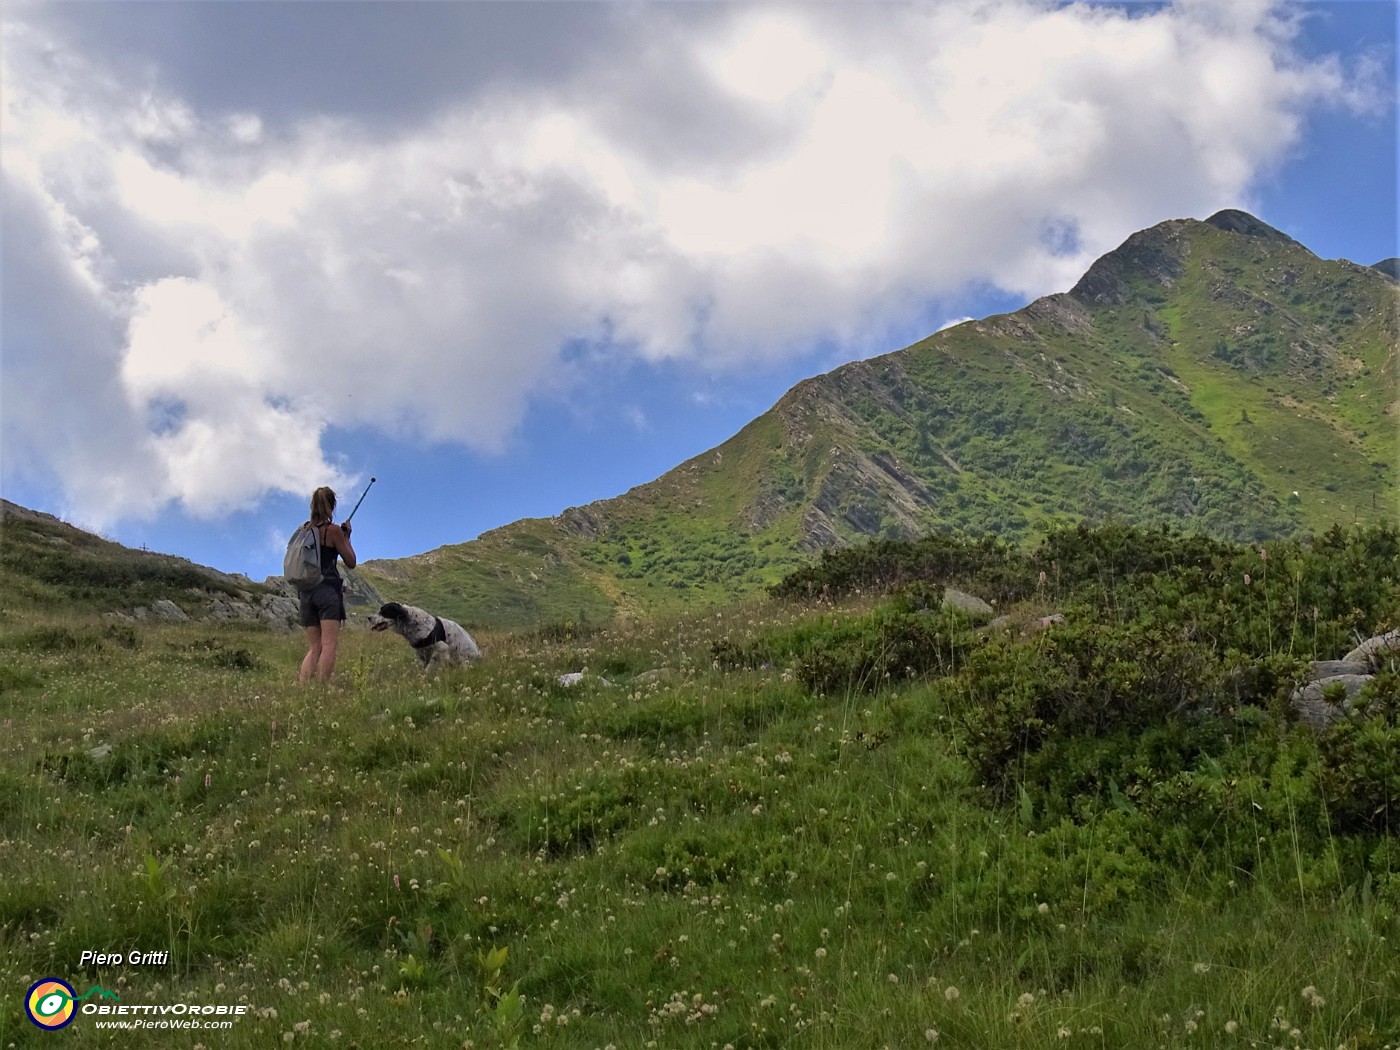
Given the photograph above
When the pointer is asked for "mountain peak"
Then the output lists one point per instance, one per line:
(1153, 254)
(1389, 267)
(1157, 255)
(1232, 220)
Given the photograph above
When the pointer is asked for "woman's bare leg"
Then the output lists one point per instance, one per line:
(330, 639)
(312, 659)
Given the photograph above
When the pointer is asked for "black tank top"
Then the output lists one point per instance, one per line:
(328, 556)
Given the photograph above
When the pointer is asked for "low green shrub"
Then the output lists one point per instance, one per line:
(887, 564)
(1359, 774)
(908, 638)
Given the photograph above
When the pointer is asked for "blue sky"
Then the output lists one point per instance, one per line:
(509, 258)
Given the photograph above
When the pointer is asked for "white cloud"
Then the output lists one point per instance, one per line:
(836, 167)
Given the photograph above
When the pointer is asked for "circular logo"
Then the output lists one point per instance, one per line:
(49, 1003)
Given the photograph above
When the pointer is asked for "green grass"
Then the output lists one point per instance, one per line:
(700, 857)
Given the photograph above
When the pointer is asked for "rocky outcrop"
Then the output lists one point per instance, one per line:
(359, 594)
(1231, 220)
(275, 610)
(583, 521)
(1155, 255)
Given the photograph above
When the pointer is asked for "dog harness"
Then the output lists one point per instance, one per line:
(438, 635)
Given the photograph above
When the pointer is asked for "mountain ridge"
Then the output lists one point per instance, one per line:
(47, 563)
(1194, 375)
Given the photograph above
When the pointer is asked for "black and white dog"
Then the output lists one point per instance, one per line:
(438, 642)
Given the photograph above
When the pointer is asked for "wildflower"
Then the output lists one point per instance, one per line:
(1247, 580)
(1232, 1027)
(931, 1035)
(951, 994)
(1026, 1001)
(208, 779)
(1043, 908)
(1263, 554)
(396, 882)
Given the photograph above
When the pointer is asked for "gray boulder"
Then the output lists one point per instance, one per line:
(165, 609)
(1373, 650)
(1352, 672)
(1330, 668)
(968, 603)
(1313, 707)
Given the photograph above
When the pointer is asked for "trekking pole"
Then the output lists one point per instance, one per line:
(360, 500)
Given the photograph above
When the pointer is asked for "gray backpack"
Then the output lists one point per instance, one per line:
(302, 564)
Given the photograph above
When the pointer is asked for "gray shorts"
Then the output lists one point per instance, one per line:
(325, 601)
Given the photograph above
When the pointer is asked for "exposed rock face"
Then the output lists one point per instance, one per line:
(818, 533)
(1232, 220)
(275, 610)
(582, 521)
(1155, 254)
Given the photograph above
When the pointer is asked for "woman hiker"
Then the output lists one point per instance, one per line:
(323, 607)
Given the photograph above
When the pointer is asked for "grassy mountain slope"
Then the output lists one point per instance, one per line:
(48, 565)
(47, 562)
(1212, 374)
(860, 822)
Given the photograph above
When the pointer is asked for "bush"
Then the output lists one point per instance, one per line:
(888, 564)
(1090, 702)
(1359, 775)
(903, 639)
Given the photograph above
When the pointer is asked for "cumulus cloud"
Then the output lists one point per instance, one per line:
(195, 292)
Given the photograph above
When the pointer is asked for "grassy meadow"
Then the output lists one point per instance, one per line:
(855, 818)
